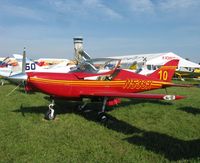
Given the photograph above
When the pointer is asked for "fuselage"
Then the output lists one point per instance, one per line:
(75, 84)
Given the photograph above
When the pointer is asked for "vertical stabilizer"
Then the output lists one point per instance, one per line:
(165, 72)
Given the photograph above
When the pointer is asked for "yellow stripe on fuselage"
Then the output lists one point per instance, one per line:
(99, 83)
(78, 82)
(168, 67)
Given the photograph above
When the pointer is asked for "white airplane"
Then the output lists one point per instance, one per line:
(31, 66)
(97, 65)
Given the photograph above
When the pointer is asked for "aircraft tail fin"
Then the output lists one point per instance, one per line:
(165, 72)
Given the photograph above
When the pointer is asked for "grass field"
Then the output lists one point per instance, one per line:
(138, 130)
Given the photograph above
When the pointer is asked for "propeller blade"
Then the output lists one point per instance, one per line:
(24, 61)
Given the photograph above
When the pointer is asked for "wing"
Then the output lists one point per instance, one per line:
(5, 73)
(134, 95)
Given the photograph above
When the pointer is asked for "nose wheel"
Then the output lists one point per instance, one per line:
(50, 114)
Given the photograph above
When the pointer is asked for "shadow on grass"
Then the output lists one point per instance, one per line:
(191, 110)
(36, 109)
(43, 109)
(90, 114)
(197, 85)
(171, 148)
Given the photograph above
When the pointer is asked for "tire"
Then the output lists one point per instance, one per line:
(103, 118)
(48, 115)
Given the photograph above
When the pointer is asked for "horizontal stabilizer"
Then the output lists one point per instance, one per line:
(177, 85)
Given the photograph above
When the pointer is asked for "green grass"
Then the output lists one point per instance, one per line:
(138, 130)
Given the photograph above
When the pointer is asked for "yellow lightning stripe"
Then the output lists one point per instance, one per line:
(96, 83)
(155, 84)
(82, 83)
(168, 67)
(160, 83)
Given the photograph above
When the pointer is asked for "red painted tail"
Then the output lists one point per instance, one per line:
(166, 72)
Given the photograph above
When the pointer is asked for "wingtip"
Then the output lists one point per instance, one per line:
(173, 97)
(180, 97)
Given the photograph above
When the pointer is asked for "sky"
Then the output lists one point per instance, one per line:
(109, 28)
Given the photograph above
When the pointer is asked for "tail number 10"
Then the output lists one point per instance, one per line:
(163, 75)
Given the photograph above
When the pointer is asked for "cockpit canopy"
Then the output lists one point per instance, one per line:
(96, 65)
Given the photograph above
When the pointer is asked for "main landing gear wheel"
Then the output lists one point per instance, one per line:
(50, 115)
(80, 108)
(102, 117)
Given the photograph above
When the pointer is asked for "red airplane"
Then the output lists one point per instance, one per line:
(108, 87)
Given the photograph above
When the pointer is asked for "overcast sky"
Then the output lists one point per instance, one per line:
(109, 27)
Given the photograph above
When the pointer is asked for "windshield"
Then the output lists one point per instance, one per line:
(85, 67)
(94, 66)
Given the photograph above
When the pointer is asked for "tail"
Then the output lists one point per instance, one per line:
(165, 72)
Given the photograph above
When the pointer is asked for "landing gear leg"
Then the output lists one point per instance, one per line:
(81, 107)
(101, 115)
(166, 91)
(50, 115)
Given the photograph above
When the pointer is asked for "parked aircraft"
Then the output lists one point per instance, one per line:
(107, 88)
(5, 68)
(31, 66)
(98, 65)
(187, 74)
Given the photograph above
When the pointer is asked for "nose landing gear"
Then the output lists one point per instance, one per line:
(50, 115)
